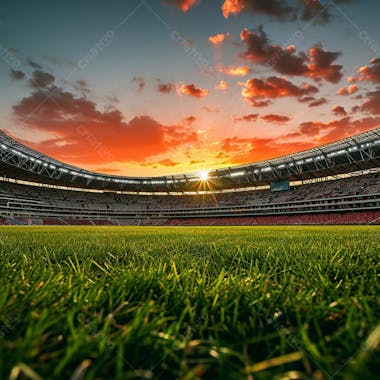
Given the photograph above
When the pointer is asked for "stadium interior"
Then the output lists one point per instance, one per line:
(338, 183)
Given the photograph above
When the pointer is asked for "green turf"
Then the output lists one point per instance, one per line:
(189, 303)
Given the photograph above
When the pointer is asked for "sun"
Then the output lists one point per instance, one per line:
(203, 175)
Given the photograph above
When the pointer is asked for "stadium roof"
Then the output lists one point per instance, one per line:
(360, 152)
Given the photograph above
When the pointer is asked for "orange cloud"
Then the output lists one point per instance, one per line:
(336, 129)
(232, 7)
(221, 86)
(242, 150)
(257, 91)
(370, 73)
(218, 39)
(191, 90)
(196, 162)
(82, 134)
(239, 150)
(183, 5)
(235, 71)
(348, 90)
(372, 104)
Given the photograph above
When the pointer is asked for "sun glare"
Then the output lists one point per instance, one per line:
(203, 175)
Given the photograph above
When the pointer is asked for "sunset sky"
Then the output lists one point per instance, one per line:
(151, 87)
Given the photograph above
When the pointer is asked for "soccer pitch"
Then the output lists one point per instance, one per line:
(189, 303)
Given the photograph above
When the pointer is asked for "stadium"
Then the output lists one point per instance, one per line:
(190, 190)
(338, 183)
(193, 276)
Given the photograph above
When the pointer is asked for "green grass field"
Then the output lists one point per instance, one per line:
(190, 303)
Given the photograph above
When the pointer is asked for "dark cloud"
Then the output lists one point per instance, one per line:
(313, 11)
(246, 118)
(279, 9)
(306, 99)
(259, 92)
(313, 102)
(165, 88)
(339, 111)
(258, 45)
(82, 86)
(318, 102)
(317, 64)
(41, 79)
(34, 64)
(276, 119)
(260, 103)
(372, 104)
(287, 61)
(189, 120)
(17, 74)
(139, 84)
(322, 66)
(371, 73)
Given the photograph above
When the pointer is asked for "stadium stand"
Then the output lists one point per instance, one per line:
(337, 183)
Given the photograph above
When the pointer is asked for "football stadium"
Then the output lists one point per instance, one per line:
(163, 301)
(190, 190)
(338, 183)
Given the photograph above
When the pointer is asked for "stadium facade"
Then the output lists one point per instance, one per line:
(337, 183)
